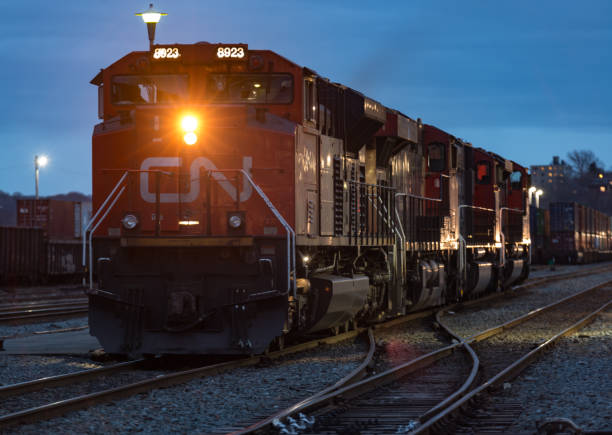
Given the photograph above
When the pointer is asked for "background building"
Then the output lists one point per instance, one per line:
(555, 179)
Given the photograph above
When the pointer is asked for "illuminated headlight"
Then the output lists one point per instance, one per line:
(129, 221)
(190, 138)
(234, 221)
(189, 123)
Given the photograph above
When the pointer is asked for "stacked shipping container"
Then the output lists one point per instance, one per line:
(60, 220)
(578, 233)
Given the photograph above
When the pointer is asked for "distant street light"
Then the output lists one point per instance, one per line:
(538, 193)
(39, 162)
(151, 17)
(530, 192)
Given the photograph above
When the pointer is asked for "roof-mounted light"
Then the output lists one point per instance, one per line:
(151, 15)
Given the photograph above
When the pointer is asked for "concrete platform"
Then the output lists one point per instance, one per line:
(60, 343)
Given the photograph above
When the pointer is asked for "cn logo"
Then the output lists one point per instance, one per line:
(194, 172)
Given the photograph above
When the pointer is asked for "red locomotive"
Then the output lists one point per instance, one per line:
(240, 198)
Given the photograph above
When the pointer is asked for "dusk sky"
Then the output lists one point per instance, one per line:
(525, 79)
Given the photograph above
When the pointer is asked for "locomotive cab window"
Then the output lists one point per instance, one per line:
(515, 180)
(437, 157)
(483, 172)
(250, 88)
(149, 89)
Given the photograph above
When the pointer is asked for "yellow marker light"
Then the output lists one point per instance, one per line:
(190, 138)
(189, 123)
(189, 223)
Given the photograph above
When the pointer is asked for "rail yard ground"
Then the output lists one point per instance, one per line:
(571, 381)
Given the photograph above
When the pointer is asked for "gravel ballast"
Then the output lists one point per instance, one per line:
(30, 328)
(573, 381)
(541, 271)
(474, 320)
(22, 368)
(402, 343)
(216, 403)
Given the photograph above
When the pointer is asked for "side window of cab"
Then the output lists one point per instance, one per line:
(436, 155)
(483, 172)
(515, 180)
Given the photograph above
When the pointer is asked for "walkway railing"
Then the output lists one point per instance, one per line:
(119, 189)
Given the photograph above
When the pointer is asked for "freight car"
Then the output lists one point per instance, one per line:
(575, 234)
(240, 198)
(28, 257)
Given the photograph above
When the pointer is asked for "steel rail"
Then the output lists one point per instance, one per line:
(68, 378)
(509, 372)
(469, 383)
(369, 384)
(18, 316)
(34, 307)
(355, 374)
(84, 401)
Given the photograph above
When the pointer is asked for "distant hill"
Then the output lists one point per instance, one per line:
(8, 204)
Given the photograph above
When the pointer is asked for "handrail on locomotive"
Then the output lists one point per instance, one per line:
(88, 234)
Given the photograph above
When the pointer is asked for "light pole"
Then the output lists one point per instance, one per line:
(538, 193)
(39, 162)
(151, 17)
(530, 193)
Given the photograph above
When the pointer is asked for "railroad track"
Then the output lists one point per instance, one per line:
(64, 405)
(391, 402)
(23, 313)
(502, 362)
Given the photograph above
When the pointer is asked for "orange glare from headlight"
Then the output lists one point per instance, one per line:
(190, 138)
(189, 123)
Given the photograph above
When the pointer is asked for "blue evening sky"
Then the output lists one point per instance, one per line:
(526, 79)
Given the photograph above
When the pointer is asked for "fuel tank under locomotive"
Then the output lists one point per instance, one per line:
(330, 301)
(189, 300)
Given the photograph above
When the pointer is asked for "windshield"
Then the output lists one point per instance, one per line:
(250, 88)
(149, 89)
